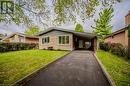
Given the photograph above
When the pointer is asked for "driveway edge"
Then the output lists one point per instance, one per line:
(112, 83)
(28, 77)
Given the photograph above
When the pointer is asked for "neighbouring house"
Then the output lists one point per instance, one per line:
(63, 39)
(120, 36)
(1, 36)
(19, 37)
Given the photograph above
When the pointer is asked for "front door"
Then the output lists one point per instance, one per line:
(80, 43)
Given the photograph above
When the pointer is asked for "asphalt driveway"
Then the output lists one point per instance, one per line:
(79, 68)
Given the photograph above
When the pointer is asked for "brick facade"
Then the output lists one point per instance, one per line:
(23, 39)
(77, 40)
(54, 42)
(31, 40)
(127, 19)
(120, 36)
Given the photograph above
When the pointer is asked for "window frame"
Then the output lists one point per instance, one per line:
(46, 40)
(61, 42)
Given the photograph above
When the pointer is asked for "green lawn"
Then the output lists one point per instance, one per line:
(117, 67)
(15, 65)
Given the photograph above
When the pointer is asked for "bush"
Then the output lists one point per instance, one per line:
(105, 46)
(119, 49)
(115, 48)
(5, 47)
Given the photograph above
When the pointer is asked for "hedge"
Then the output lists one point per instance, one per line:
(5, 47)
(115, 48)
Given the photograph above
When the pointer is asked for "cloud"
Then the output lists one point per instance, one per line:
(11, 28)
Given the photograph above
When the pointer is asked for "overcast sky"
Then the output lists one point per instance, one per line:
(118, 21)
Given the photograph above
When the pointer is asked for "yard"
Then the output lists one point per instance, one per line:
(15, 65)
(117, 67)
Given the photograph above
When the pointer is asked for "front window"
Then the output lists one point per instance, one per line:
(45, 40)
(63, 39)
(13, 39)
(21, 39)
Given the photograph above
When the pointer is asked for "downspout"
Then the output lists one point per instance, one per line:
(129, 41)
(24, 39)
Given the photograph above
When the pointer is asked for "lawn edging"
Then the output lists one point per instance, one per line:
(111, 81)
(34, 73)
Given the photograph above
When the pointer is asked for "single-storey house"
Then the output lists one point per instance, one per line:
(63, 39)
(120, 36)
(19, 37)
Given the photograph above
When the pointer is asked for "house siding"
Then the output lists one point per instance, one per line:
(14, 38)
(17, 38)
(119, 38)
(31, 40)
(127, 19)
(54, 41)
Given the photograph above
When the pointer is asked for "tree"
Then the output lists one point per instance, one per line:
(79, 28)
(64, 10)
(103, 27)
(33, 30)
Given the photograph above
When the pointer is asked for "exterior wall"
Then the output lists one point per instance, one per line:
(22, 39)
(6, 40)
(31, 40)
(126, 37)
(119, 38)
(95, 44)
(54, 41)
(129, 47)
(14, 38)
(127, 19)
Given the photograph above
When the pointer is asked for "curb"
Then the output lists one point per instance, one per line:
(110, 80)
(28, 77)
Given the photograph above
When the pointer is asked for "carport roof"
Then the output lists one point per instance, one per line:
(80, 34)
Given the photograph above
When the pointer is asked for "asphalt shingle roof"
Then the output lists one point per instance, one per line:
(81, 34)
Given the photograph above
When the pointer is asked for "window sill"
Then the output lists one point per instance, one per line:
(63, 44)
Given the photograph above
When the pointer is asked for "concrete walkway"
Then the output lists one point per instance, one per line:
(79, 68)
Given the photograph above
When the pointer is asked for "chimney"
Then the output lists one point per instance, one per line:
(127, 19)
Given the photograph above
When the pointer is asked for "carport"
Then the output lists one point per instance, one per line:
(84, 41)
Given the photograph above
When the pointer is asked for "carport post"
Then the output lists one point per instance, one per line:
(95, 44)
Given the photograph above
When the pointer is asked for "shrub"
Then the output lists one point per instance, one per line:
(4, 47)
(115, 48)
(119, 49)
(105, 46)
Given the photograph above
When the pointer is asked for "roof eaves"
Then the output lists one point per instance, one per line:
(117, 32)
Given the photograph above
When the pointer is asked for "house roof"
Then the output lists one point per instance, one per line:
(128, 14)
(117, 32)
(81, 34)
(20, 34)
(1, 36)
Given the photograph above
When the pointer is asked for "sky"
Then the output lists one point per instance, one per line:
(118, 20)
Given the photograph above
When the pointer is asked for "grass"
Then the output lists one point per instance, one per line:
(117, 67)
(15, 65)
